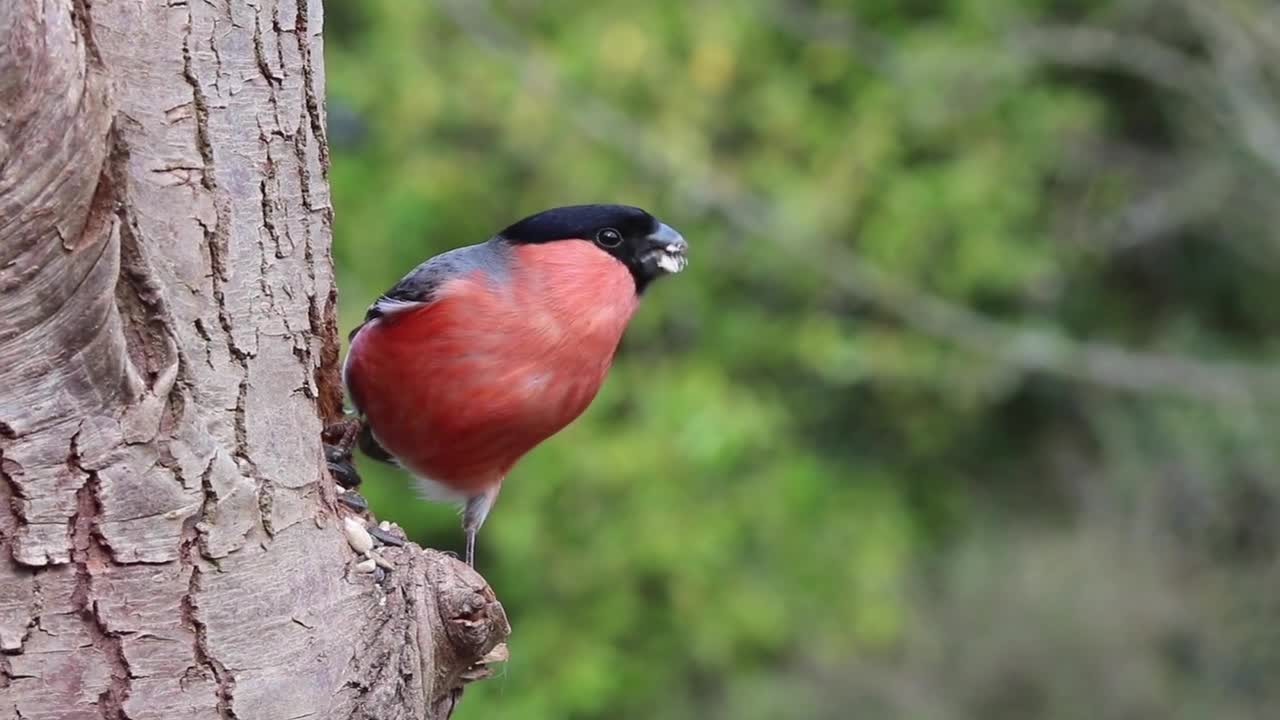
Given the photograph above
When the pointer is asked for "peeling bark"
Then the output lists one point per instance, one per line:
(169, 541)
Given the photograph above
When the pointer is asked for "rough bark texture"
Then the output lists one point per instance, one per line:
(169, 542)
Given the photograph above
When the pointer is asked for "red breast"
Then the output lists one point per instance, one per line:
(461, 388)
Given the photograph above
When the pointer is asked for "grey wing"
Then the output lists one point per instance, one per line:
(420, 285)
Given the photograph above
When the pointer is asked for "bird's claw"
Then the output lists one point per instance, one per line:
(342, 434)
(339, 438)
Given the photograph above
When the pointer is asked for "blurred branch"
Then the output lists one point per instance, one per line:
(1231, 87)
(829, 27)
(1236, 47)
(1164, 211)
(1102, 48)
(1026, 349)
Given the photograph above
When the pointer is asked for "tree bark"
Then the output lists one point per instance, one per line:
(170, 544)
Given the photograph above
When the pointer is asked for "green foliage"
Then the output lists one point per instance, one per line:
(759, 514)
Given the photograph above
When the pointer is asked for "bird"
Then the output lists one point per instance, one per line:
(481, 353)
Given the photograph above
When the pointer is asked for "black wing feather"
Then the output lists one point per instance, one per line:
(420, 285)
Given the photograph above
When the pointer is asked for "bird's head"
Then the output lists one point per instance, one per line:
(648, 247)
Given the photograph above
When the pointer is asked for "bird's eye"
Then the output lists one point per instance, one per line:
(609, 238)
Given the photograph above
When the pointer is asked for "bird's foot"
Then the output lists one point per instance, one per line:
(343, 433)
(339, 438)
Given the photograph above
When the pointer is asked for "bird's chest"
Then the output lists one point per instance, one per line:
(557, 333)
(533, 351)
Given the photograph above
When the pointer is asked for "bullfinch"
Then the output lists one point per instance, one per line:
(481, 353)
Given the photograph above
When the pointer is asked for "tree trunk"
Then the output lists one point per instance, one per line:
(170, 544)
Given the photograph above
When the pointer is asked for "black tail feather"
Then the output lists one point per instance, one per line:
(369, 446)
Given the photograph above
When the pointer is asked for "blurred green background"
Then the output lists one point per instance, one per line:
(966, 406)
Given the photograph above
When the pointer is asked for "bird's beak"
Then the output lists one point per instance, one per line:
(667, 249)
